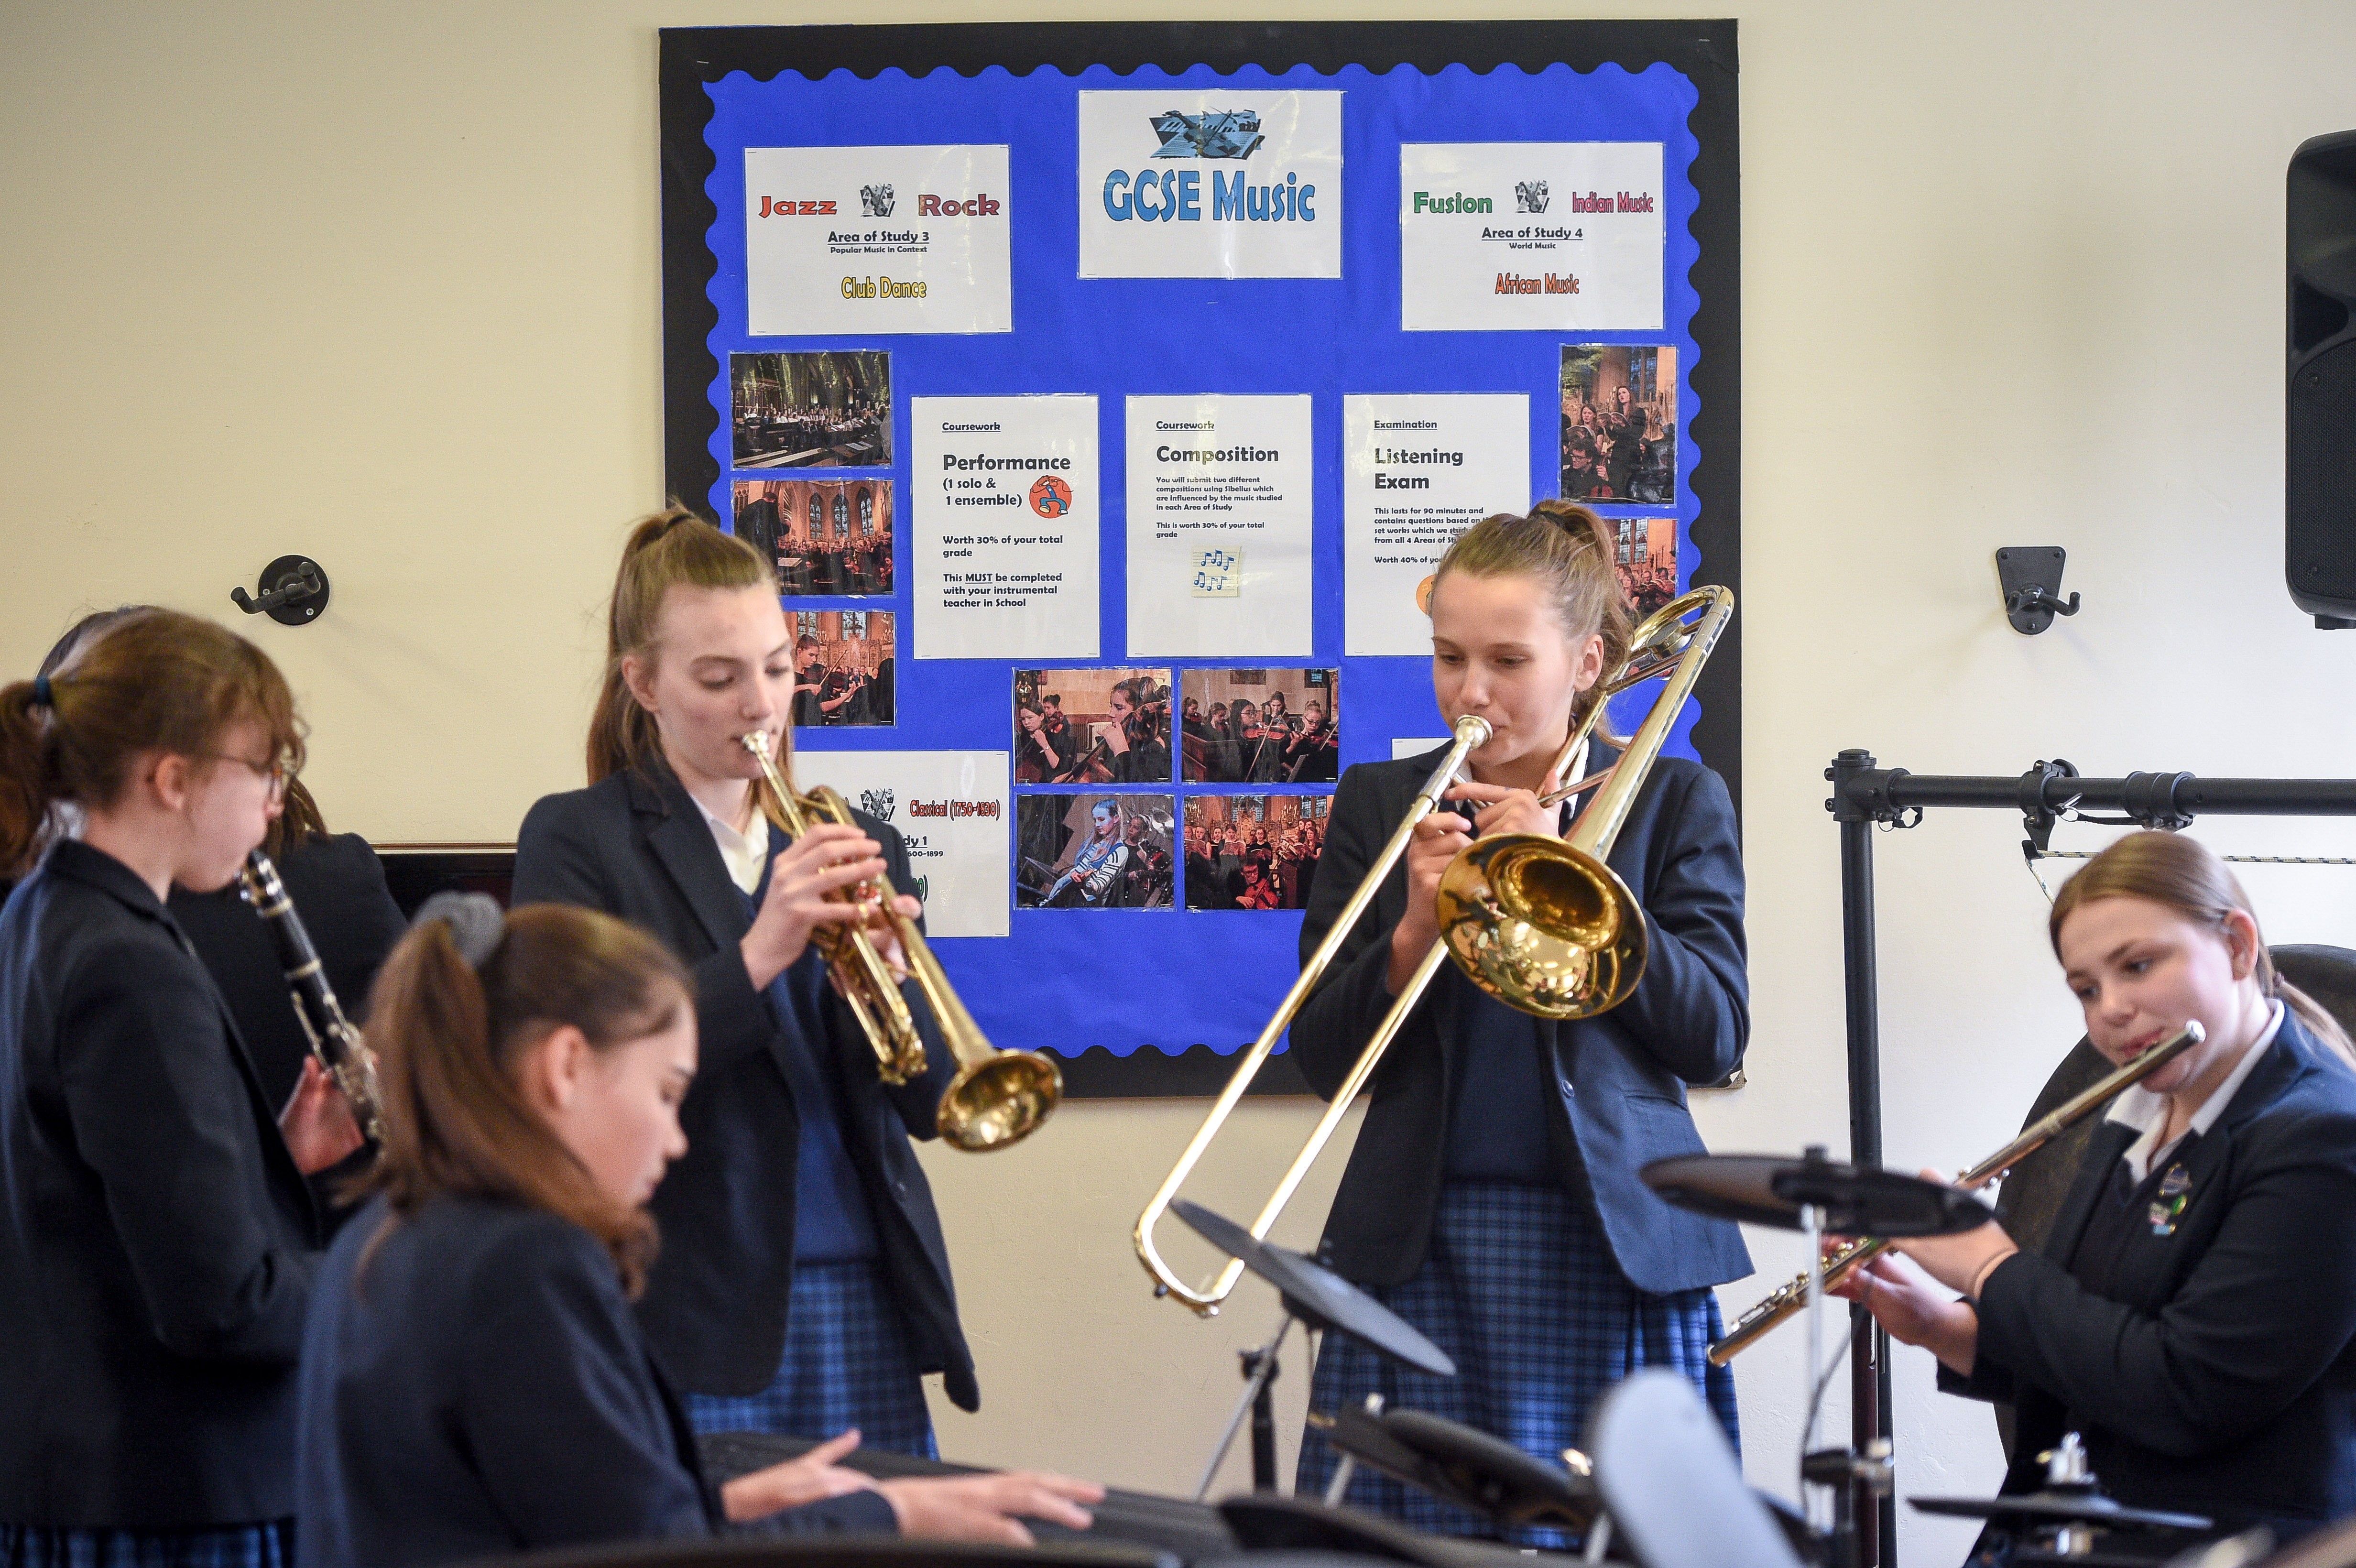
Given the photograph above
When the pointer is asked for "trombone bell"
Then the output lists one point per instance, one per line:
(1542, 926)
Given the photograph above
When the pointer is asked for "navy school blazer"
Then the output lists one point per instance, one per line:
(155, 1237)
(1620, 1078)
(636, 846)
(474, 1386)
(2221, 1379)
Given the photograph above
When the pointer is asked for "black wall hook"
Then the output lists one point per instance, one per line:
(294, 592)
(2030, 576)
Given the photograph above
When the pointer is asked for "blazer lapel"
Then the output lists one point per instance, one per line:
(682, 844)
(2111, 1140)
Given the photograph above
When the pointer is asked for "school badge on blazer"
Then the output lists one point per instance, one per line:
(2175, 1191)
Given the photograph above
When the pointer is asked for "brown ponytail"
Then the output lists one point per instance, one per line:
(2179, 872)
(149, 680)
(674, 548)
(449, 1038)
(1569, 550)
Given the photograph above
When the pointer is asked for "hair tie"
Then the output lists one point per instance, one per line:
(475, 921)
(42, 695)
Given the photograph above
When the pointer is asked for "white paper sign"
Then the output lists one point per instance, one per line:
(1004, 511)
(1416, 472)
(1210, 184)
(1531, 236)
(861, 240)
(953, 808)
(1219, 526)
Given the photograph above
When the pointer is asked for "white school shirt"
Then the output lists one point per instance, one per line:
(2139, 1108)
(743, 856)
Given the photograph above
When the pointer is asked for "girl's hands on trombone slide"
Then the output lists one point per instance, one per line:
(1439, 839)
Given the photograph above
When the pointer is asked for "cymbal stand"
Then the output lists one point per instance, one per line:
(1258, 1401)
(1340, 1485)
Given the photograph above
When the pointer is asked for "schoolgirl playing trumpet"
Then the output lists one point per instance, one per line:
(804, 1283)
(1491, 1198)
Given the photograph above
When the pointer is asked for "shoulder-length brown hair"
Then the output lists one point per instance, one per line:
(152, 680)
(450, 1037)
(2182, 874)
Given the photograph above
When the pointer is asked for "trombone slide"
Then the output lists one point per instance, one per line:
(1472, 732)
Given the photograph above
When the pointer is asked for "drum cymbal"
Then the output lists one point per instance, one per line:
(2062, 1507)
(1457, 1463)
(1316, 1295)
(1857, 1200)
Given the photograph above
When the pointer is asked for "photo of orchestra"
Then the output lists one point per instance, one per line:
(830, 410)
(1647, 559)
(1094, 851)
(842, 668)
(1620, 423)
(827, 537)
(1253, 851)
(1091, 726)
(1261, 726)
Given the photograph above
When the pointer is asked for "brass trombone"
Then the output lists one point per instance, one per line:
(1541, 924)
(998, 1097)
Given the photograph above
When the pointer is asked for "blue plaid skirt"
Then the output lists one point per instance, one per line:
(848, 1362)
(1521, 1290)
(267, 1545)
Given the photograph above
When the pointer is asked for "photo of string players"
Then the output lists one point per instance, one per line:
(826, 536)
(1091, 726)
(1261, 726)
(811, 410)
(1094, 851)
(1646, 560)
(1620, 423)
(842, 668)
(1253, 851)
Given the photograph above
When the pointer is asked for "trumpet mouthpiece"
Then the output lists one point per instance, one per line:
(755, 742)
(1474, 728)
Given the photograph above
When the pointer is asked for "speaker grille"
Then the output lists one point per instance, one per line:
(2320, 487)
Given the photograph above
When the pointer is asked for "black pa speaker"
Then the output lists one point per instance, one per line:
(2319, 489)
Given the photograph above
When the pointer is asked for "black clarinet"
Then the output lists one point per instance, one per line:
(334, 1040)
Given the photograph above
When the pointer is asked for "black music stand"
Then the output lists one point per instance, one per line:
(1313, 1295)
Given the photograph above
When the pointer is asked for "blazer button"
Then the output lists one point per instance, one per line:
(900, 1190)
(1569, 1087)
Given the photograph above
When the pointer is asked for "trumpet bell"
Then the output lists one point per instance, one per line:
(1542, 926)
(998, 1101)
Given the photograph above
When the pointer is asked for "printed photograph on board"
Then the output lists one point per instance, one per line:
(1094, 851)
(1261, 726)
(1253, 851)
(842, 668)
(1091, 726)
(830, 410)
(1647, 559)
(1620, 423)
(825, 536)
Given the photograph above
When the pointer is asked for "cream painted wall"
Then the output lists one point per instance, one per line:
(380, 283)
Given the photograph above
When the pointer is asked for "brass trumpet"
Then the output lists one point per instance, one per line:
(1793, 1296)
(998, 1097)
(1541, 924)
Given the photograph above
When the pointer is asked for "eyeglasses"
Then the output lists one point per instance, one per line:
(278, 772)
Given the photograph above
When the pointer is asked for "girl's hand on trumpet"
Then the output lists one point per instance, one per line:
(830, 856)
(885, 935)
